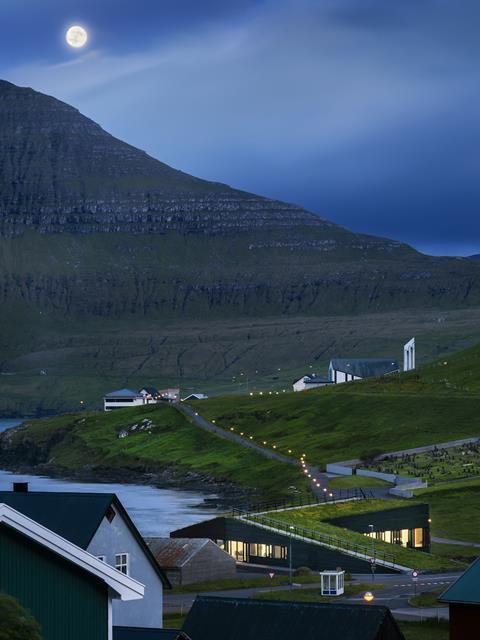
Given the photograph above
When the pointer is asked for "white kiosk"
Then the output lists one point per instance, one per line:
(332, 583)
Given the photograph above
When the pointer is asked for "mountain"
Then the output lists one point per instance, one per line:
(476, 256)
(115, 267)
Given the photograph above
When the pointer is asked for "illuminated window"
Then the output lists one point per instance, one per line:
(418, 537)
(238, 550)
(404, 537)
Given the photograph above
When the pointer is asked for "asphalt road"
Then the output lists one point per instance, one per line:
(396, 591)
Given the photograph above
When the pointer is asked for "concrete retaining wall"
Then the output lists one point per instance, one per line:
(401, 493)
(388, 477)
(340, 469)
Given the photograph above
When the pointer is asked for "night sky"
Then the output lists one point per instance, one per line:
(364, 111)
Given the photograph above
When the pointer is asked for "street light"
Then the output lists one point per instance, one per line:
(373, 561)
(368, 596)
(290, 556)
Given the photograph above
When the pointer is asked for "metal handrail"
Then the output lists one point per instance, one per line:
(338, 494)
(312, 534)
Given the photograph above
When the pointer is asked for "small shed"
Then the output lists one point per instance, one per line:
(332, 583)
(190, 560)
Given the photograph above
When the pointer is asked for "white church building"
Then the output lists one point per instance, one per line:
(350, 369)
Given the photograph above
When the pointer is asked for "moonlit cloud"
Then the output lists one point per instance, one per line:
(364, 112)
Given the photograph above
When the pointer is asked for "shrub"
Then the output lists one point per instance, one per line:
(16, 623)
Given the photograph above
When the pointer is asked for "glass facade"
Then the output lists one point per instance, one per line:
(253, 551)
(414, 538)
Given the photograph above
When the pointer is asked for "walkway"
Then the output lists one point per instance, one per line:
(460, 543)
(317, 477)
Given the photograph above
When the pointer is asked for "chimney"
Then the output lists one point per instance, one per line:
(20, 487)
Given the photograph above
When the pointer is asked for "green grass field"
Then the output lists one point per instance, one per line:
(454, 509)
(436, 403)
(316, 518)
(348, 482)
(245, 583)
(313, 595)
(428, 599)
(455, 551)
(171, 443)
(426, 630)
(439, 402)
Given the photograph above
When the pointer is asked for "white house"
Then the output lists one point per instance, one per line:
(349, 369)
(97, 523)
(310, 382)
(122, 399)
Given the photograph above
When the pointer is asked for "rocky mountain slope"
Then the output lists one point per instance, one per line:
(101, 244)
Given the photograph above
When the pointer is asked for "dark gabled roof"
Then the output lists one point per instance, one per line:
(314, 379)
(215, 618)
(122, 393)
(74, 516)
(365, 367)
(466, 588)
(139, 633)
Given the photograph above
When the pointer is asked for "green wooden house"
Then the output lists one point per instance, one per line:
(463, 599)
(68, 590)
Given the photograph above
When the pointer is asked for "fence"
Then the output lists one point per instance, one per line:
(331, 495)
(309, 535)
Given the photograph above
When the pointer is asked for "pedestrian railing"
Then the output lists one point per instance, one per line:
(329, 496)
(370, 553)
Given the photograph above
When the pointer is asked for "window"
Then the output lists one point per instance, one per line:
(418, 537)
(238, 550)
(102, 558)
(121, 563)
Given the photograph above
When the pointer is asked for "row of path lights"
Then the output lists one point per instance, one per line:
(315, 482)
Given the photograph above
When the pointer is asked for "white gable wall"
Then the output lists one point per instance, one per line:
(299, 385)
(339, 376)
(114, 538)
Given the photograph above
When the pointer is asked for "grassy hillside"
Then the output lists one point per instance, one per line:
(163, 443)
(436, 403)
(87, 357)
(461, 498)
(316, 518)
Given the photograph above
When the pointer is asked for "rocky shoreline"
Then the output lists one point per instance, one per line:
(226, 494)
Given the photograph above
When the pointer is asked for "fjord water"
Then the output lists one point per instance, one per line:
(156, 512)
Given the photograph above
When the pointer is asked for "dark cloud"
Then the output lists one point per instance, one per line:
(366, 112)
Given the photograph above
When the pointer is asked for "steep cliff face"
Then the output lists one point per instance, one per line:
(62, 172)
(92, 229)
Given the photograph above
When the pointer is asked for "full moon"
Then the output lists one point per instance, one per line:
(76, 37)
